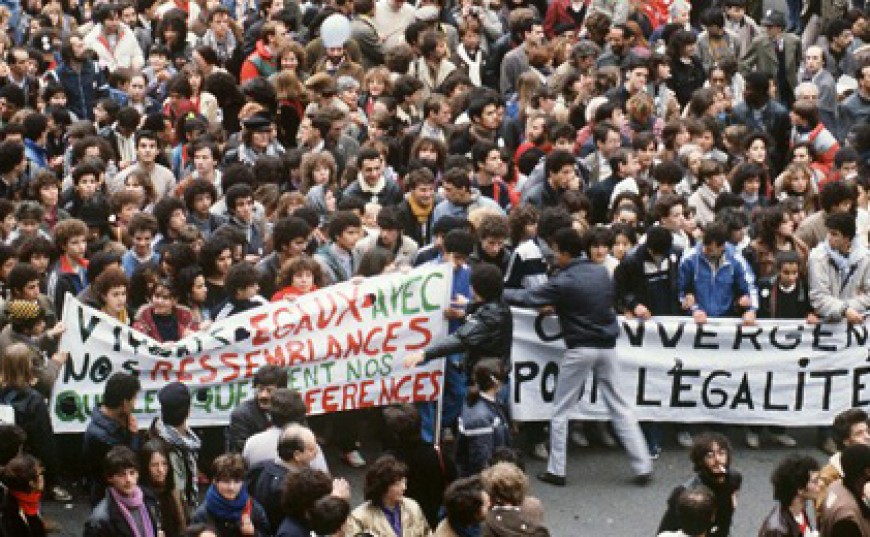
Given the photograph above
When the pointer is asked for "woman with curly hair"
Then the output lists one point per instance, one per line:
(775, 234)
(796, 182)
(386, 510)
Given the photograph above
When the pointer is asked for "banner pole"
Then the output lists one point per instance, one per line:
(439, 407)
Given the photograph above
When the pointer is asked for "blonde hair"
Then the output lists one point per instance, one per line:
(505, 483)
(16, 367)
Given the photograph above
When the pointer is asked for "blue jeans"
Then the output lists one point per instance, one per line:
(453, 396)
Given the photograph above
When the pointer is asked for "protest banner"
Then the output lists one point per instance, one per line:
(342, 347)
(779, 372)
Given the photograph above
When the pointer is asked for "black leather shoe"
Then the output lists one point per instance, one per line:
(553, 479)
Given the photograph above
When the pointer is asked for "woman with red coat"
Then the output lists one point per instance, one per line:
(163, 319)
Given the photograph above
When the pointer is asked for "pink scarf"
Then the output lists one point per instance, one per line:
(136, 501)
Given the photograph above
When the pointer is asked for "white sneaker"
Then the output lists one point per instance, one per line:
(684, 439)
(354, 459)
(541, 452)
(784, 440)
(605, 436)
(578, 438)
(752, 440)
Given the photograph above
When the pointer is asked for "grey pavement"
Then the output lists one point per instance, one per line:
(600, 499)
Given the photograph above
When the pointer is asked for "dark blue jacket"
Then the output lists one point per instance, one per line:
(82, 87)
(101, 435)
(582, 294)
(483, 428)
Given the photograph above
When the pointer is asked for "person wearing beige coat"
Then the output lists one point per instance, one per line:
(387, 512)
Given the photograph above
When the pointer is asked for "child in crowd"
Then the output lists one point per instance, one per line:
(298, 276)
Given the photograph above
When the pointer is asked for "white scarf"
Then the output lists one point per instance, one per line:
(474, 66)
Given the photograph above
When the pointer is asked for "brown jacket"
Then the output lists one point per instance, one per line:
(840, 505)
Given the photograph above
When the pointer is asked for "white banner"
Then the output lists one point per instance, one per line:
(342, 347)
(780, 372)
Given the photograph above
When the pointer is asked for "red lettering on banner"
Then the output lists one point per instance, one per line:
(333, 348)
(350, 305)
(328, 403)
(418, 324)
(304, 323)
(227, 360)
(161, 365)
(282, 328)
(206, 366)
(250, 365)
(398, 384)
(322, 319)
(183, 376)
(436, 383)
(364, 401)
(354, 343)
(277, 358)
(348, 396)
(310, 397)
(261, 336)
(296, 348)
(419, 386)
(366, 349)
(391, 336)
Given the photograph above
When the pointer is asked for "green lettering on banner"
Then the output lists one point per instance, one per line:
(326, 341)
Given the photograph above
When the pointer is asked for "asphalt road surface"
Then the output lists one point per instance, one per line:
(600, 499)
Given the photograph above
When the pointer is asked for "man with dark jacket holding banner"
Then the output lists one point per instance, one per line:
(582, 296)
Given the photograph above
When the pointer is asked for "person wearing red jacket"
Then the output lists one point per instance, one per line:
(263, 62)
(565, 16)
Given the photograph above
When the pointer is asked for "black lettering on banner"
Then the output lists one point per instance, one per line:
(641, 390)
(635, 339)
(768, 390)
(801, 384)
(129, 366)
(670, 342)
(85, 330)
(523, 372)
(678, 386)
(818, 333)
(706, 391)
(750, 333)
(829, 378)
(793, 335)
(702, 333)
(858, 385)
(551, 370)
(98, 371)
(116, 337)
(859, 332)
(743, 395)
(539, 329)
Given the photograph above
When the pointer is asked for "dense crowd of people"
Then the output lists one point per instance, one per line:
(176, 163)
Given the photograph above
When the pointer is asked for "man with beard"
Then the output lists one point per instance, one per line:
(252, 416)
(337, 63)
(263, 62)
(711, 458)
